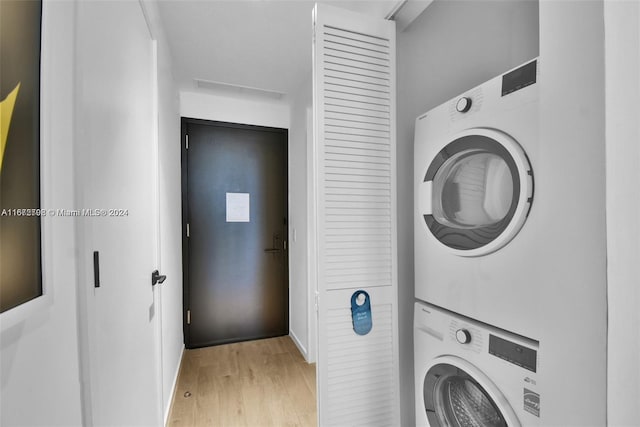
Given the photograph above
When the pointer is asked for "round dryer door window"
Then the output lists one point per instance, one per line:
(477, 192)
(460, 396)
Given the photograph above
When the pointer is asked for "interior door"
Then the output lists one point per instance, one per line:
(236, 226)
(117, 181)
(355, 211)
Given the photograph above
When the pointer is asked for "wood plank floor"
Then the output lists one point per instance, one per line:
(254, 383)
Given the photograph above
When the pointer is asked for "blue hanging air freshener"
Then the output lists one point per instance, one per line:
(361, 312)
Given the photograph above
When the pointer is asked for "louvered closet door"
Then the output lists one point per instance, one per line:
(354, 168)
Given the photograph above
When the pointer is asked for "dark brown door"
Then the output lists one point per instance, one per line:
(235, 216)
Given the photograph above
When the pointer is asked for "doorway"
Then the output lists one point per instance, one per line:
(234, 212)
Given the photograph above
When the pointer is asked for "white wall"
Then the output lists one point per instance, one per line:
(298, 242)
(572, 135)
(622, 54)
(210, 106)
(40, 377)
(170, 199)
(453, 46)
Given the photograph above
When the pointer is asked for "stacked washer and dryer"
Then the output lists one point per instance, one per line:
(477, 314)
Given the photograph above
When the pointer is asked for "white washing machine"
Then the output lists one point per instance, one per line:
(469, 374)
(475, 231)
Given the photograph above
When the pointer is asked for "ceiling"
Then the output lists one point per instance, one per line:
(259, 44)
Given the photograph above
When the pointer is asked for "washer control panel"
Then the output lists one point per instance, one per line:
(467, 335)
(513, 353)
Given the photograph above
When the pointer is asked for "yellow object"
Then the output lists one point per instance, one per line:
(6, 111)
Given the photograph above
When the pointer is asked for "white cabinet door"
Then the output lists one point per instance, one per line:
(116, 157)
(355, 209)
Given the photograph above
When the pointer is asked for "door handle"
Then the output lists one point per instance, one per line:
(275, 244)
(156, 277)
(96, 269)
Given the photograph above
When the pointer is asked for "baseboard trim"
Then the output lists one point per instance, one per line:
(167, 411)
(298, 344)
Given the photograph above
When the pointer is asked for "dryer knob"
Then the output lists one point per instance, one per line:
(463, 336)
(463, 105)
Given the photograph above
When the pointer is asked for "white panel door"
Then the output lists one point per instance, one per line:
(117, 180)
(355, 208)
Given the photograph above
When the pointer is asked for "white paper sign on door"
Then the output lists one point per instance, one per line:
(237, 207)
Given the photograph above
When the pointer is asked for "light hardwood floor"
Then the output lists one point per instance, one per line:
(254, 383)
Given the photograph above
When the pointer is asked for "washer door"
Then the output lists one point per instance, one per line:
(477, 192)
(456, 394)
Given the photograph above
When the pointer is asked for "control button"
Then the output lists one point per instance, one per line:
(463, 336)
(463, 105)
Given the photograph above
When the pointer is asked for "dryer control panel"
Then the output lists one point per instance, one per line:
(519, 78)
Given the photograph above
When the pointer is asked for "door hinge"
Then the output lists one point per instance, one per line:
(285, 245)
(188, 231)
(188, 317)
(317, 300)
(186, 142)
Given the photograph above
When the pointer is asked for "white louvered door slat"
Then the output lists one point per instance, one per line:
(355, 211)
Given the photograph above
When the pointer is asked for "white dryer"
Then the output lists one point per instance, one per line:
(469, 374)
(475, 235)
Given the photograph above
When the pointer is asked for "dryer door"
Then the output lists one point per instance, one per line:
(477, 192)
(456, 394)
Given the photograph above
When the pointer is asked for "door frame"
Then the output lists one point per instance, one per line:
(184, 122)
